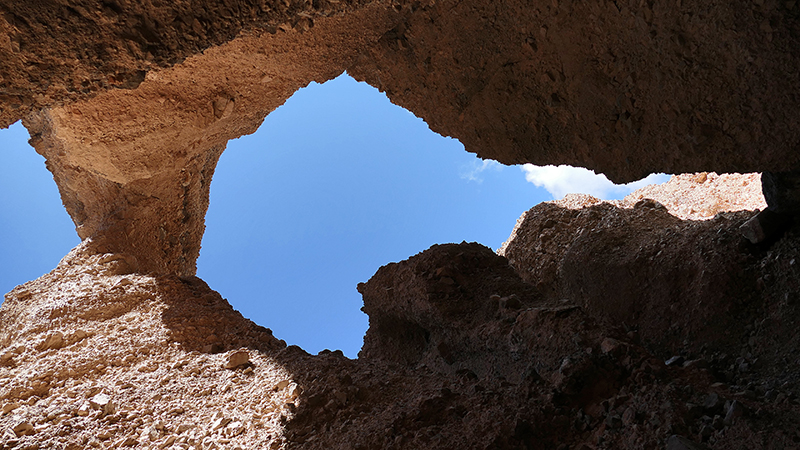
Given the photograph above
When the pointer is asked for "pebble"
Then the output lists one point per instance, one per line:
(104, 434)
(234, 429)
(237, 359)
(629, 416)
(84, 409)
(613, 421)
(8, 407)
(219, 423)
(294, 390)
(609, 345)
(169, 441)
(510, 302)
(675, 361)
(23, 428)
(735, 411)
(127, 442)
(53, 341)
(102, 402)
(696, 363)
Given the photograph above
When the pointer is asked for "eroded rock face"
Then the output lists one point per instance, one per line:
(626, 89)
(136, 180)
(55, 52)
(562, 343)
(634, 262)
(461, 353)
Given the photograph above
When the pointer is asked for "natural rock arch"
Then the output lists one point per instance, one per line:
(623, 88)
(132, 102)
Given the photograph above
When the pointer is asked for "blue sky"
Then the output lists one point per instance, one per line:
(336, 183)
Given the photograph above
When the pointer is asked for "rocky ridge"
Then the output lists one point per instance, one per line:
(465, 349)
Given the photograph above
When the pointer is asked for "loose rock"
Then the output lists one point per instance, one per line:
(237, 359)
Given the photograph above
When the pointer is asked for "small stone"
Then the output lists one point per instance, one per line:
(765, 225)
(6, 357)
(8, 407)
(23, 428)
(735, 411)
(649, 203)
(693, 411)
(237, 359)
(184, 427)
(104, 434)
(510, 302)
(79, 335)
(169, 441)
(294, 390)
(712, 402)
(749, 394)
(102, 402)
(219, 423)
(84, 409)
(675, 361)
(53, 341)
(629, 416)
(152, 434)
(234, 429)
(696, 363)
(613, 421)
(341, 397)
(213, 349)
(609, 345)
(282, 384)
(123, 282)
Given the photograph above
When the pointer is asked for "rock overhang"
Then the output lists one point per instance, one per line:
(625, 89)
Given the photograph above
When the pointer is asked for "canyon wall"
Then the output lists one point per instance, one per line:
(631, 325)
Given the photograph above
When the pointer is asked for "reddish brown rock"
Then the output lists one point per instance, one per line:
(559, 344)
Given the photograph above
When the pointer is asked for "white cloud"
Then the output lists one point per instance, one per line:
(473, 170)
(562, 180)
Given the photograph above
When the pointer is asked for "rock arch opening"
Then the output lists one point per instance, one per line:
(335, 183)
(318, 212)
